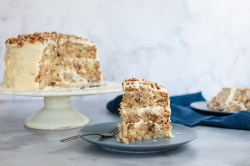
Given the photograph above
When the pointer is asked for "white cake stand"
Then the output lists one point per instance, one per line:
(57, 112)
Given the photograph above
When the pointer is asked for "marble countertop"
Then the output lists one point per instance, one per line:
(23, 146)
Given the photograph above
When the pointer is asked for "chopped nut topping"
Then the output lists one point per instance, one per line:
(157, 86)
(143, 84)
(39, 37)
(38, 78)
(133, 79)
(52, 83)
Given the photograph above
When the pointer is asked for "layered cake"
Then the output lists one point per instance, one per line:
(144, 110)
(42, 60)
(231, 100)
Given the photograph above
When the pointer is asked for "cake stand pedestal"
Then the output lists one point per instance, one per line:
(57, 112)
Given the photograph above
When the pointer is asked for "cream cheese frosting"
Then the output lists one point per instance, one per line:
(142, 84)
(155, 110)
(23, 65)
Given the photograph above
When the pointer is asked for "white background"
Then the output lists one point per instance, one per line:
(185, 45)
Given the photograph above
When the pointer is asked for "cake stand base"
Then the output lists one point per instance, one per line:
(57, 113)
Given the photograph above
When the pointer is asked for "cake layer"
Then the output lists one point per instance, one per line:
(142, 98)
(68, 72)
(76, 49)
(144, 125)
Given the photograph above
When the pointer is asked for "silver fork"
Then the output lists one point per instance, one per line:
(112, 133)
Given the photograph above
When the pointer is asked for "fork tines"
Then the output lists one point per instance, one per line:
(114, 131)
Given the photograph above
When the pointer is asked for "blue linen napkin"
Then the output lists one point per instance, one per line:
(183, 114)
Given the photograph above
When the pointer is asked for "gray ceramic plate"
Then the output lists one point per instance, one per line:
(182, 135)
(202, 107)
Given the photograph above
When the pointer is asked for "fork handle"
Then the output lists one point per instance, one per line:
(77, 136)
(71, 138)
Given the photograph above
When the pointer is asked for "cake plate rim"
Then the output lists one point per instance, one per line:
(106, 87)
(201, 106)
(182, 135)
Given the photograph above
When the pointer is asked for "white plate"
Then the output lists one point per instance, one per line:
(201, 106)
(182, 135)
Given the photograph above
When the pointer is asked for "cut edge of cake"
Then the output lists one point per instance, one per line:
(144, 110)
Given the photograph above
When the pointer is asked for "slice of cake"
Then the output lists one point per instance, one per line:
(230, 99)
(43, 60)
(144, 110)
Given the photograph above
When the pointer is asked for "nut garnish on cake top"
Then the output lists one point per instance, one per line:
(41, 60)
(231, 100)
(144, 110)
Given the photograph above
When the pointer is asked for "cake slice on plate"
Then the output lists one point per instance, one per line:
(231, 100)
(144, 110)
